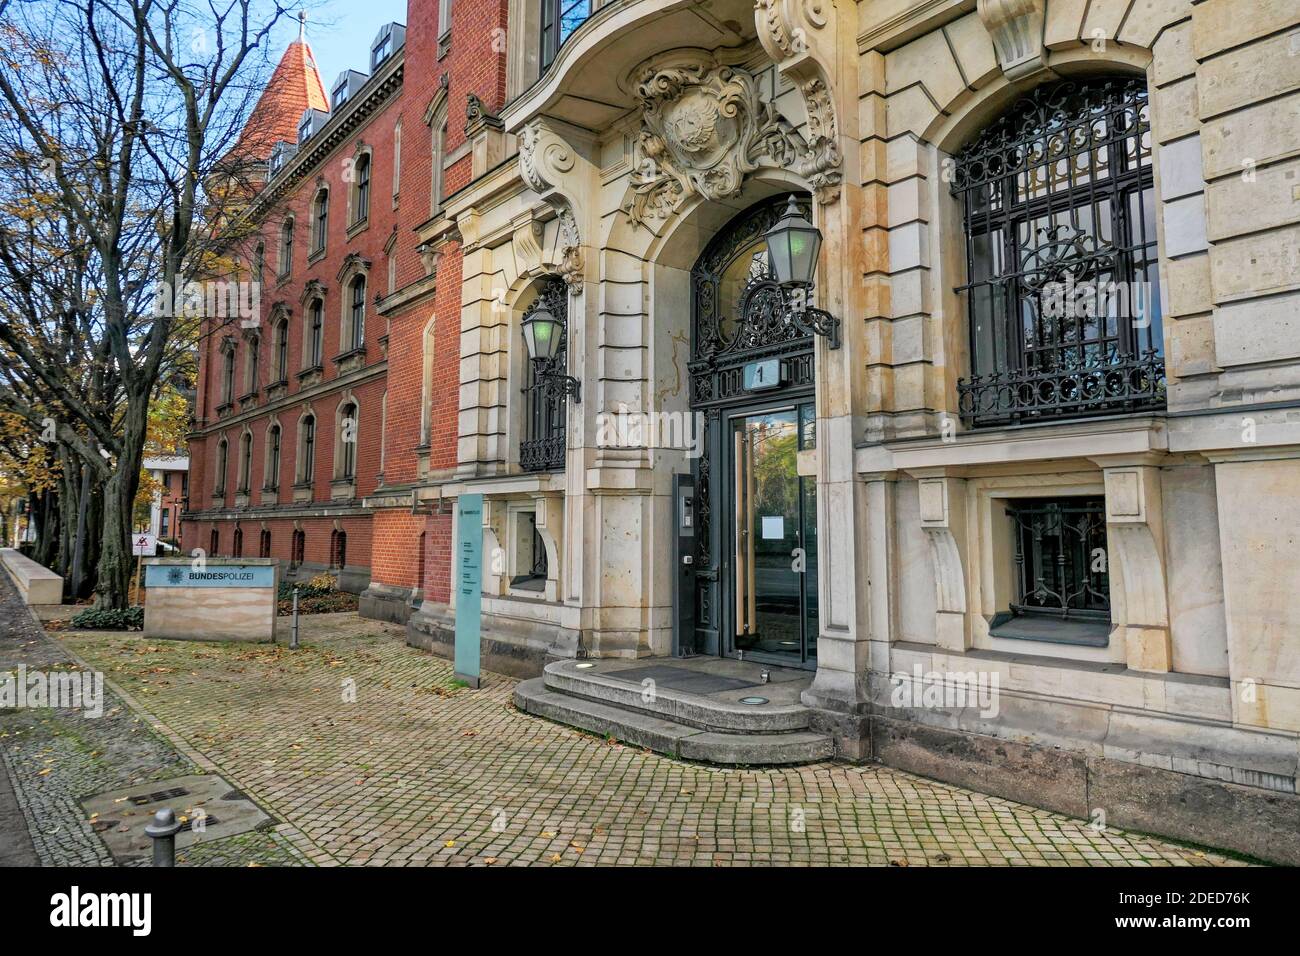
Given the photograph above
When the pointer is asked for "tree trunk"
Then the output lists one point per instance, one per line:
(113, 589)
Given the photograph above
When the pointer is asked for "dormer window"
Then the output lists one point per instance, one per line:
(390, 38)
(346, 87)
(311, 122)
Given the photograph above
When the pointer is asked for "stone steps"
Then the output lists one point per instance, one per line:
(676, 706)
(672, 737)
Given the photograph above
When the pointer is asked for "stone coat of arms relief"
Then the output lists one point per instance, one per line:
(706, 126)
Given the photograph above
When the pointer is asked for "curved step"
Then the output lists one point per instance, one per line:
(677, 706)
(670, 737)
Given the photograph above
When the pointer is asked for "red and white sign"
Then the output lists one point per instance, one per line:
(144, 545)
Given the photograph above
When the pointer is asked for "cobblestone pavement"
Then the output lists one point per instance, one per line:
(53, 758)
(371, 750)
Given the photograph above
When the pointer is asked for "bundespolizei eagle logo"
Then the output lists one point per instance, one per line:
(175, 575)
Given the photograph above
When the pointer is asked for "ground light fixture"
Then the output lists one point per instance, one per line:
(543, 335)
(793, 245)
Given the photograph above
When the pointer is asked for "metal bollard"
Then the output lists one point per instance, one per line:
(163, 832)
(293, 638)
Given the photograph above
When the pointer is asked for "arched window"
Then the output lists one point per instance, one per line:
(345, 451)
(245, 462)
(298, 551)
(357, 314)
(228, 376)
(320, 220)
(237, 546)
(437, 150)
(338, 548)
(315, 348)
(252, 359)
(214, 543)
(282, 350)
(545, 407)
(429, 358)
(397, 161)
(273, 441)
(259, 262)
(307, 450)
(1062, 286)
(361, 209)
(223, 455)
(286, 247)
(264, 544)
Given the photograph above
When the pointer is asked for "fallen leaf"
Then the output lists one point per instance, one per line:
(557, 858)
(449, 844)
(490, 860)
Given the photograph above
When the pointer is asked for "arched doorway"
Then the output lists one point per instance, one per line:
(752, 380)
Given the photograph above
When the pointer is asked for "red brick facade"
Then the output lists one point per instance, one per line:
(395, 122)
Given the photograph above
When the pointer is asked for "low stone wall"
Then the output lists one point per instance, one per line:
(36, 584)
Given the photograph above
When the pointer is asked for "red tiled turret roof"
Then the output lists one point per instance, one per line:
(294, 86)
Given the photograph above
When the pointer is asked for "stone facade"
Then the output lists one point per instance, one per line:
(656, 123)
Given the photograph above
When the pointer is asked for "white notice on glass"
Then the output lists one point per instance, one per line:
(773, 527)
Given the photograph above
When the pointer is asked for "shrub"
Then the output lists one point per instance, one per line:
(109, 619)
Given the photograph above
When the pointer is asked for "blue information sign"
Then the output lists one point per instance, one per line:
(469, 586)
(210, 576)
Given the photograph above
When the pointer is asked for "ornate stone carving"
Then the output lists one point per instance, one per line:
(1016, 27)
(572, 265)
(544, 158)
(705, 127)
(477, 115)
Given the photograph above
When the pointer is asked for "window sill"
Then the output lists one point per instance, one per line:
(225, 408)
(310, 376)
(1051, 630)
(316, 256)
(358, 227)
(351, 361)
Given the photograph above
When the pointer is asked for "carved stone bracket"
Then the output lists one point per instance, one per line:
(943, 518)
(794, 34)
(1016, 27)
(1135, 536)
(546, 159)
(706, 126)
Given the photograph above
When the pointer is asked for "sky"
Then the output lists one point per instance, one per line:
(340, 31)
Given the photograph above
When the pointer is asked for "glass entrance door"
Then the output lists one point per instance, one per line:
(773, 539)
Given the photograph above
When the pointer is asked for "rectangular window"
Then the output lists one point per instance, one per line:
(1061, 582)
(559, 19)
(165, 525)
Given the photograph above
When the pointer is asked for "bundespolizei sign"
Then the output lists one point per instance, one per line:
(469, 586)
(212, 600)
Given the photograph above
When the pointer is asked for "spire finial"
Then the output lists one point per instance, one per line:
(302, 25)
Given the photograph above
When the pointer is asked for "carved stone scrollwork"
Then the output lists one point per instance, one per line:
(544, 158)
(706, 127)
(572, 264)
(1016, 27)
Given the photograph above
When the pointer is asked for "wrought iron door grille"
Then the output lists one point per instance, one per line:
(1061, 558)
(1063, 292)
(545, 409)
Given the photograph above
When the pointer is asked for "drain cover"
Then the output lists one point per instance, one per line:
(121, 816)
(753, 700)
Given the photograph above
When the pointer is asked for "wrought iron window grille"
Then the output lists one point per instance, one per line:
(545, 390)
(1063, 294)
(1061, 560)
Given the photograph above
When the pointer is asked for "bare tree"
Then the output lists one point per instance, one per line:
(126, 114)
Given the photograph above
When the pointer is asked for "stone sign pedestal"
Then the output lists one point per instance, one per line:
(233, 600)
